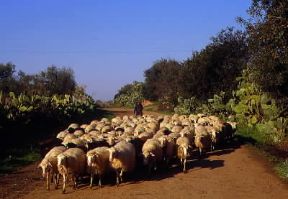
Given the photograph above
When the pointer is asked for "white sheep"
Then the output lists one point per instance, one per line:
(49, 165)
(152, 153)
(73, 126)
(78, 132)
(98, 163)
(61, 135)
(122, 159)
(216, 136)
(72, 161)
(183, 146)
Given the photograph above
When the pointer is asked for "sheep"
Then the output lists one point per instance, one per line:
(145, 136)
(183, 146)
(89, 128)
(76, 142)
(152, 154)
(116, 121)
(193, 118)
(176, 129)
(216, 136)
(138, 144)
(122, 159)
(73, 126)
(188, 132)
(168, 146)
(72, 161)
(49, 165)
(186, 122)
(61, 135)
(78, 132)
(83, 126)
(106, 129)
(203, 141)
(174, 136)
(161, 132)
(69, 137)
(98, 163)
(139, 129)
(94, 133)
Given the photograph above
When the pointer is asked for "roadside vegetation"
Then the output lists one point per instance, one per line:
(241, 75)
(35, 107)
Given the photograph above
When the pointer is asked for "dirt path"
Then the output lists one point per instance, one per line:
(233, 172)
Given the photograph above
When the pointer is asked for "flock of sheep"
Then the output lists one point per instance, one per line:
(123, 143)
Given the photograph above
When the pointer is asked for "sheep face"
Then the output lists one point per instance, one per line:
(91, 160)
(46, 168)
(163, 141)
(112, 154)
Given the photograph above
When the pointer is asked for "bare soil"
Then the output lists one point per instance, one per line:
(236, 171)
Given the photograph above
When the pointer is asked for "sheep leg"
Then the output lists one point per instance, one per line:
(54, 176)
(91, 179)
(57, 180)
(117, 178)
(200, 152)
(74, 182)
(100, 181)
(64, 183)
(184, 166)
(121, 175)
(48, 181)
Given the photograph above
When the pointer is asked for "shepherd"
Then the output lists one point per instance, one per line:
(138, 109)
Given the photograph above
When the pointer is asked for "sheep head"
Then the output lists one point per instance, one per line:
(46, 167)
(112, 153)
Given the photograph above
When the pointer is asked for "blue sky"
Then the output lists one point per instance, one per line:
(109, 43)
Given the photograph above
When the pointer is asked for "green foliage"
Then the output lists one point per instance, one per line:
(129, 94)
(186, 106)
(215, 105)
(267, 29)
(162, 81)
(48, 82)
(282, 169)
(23, 108)
(258, 111)
(215, 68)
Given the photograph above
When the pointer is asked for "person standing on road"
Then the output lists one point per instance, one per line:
(138, 109)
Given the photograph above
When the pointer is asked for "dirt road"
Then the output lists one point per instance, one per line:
(233, 172)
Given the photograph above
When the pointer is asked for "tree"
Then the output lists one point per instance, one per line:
(268, 45)
(58, 80)
(162, 80)
(7, 79)
(215, 68)
(129, 94)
